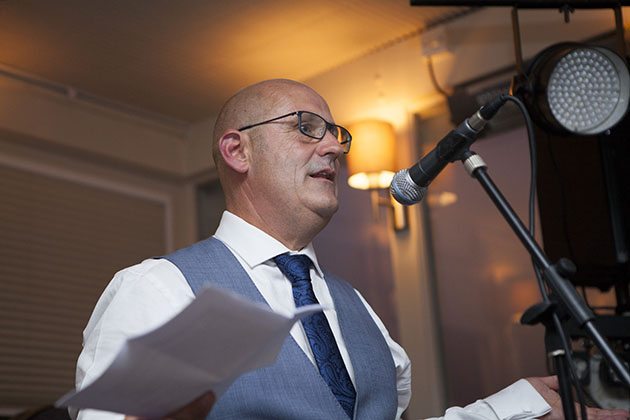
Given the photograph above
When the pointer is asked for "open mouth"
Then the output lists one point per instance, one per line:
(325, 174)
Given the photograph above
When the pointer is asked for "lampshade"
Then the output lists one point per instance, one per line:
(371, 162)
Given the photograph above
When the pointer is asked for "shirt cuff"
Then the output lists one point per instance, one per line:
(519, 401)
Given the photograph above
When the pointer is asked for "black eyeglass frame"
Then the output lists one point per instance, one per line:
(299, 115)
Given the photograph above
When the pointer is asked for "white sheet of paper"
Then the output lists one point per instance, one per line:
(207, 346)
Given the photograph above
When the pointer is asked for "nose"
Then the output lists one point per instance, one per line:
(329, 145)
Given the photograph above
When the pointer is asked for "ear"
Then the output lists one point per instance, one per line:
(232, 146)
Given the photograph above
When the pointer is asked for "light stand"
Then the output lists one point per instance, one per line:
(560, 286)
(547, 312)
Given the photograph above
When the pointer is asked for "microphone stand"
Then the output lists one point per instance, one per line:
(555, 277)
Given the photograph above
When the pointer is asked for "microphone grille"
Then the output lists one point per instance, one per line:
(404, 190)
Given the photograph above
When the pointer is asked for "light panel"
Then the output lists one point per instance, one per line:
(578, 89)
(588, 90)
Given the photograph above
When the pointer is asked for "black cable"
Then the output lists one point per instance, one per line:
(532, 183)
(563, 198)
(532, 230)
(434, 81)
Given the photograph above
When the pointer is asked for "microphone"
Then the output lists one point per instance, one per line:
(409, 186)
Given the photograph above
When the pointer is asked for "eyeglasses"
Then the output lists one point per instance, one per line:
(314, 126)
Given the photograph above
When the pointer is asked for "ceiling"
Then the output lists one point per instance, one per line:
(181, 59)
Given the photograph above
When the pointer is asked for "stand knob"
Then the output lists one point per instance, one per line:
(566, 268)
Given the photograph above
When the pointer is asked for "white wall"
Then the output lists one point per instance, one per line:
(47, 132)
(395, 80)
(392, 84)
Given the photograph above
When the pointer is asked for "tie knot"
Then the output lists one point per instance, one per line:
(295, 267)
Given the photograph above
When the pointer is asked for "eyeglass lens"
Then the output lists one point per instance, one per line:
(315, 126)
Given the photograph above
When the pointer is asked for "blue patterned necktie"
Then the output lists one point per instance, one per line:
(320, 336)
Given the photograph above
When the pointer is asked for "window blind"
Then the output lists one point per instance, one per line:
(60, 244)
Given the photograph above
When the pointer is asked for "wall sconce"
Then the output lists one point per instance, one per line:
(371, 165)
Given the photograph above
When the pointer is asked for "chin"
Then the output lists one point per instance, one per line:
(329, 209)
(321, 205)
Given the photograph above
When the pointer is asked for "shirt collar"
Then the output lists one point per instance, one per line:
(254, 246)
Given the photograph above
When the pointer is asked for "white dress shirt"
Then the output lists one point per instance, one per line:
(144, 296)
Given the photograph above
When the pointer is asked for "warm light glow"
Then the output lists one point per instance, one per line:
(371, 161)
(523, 293)
(501, 272)
(516, 317)
(443, 199)
(366, 181)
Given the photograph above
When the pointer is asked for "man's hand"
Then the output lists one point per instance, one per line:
(194, 410)
(547, 387)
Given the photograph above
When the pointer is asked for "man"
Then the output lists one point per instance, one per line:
(276, 150)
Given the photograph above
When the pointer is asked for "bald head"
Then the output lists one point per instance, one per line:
(250, 105)
(274, 176)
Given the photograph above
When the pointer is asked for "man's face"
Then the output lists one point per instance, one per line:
(290, 172)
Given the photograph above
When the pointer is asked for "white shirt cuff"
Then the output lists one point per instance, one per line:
(519, 401)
